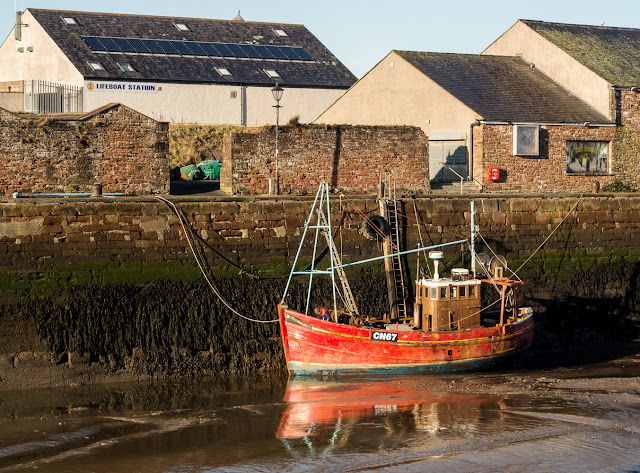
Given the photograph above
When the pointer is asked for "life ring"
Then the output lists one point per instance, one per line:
(374, 227)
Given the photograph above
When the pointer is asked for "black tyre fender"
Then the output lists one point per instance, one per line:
(373, 225)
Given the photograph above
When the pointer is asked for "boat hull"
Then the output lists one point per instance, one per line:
(315, 347)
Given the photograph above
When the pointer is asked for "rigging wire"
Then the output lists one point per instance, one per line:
(202, 269)
(554, 230)
(426, 260)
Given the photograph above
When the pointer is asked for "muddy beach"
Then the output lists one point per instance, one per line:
(571, 418)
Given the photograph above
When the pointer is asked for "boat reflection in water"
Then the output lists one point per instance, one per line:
(385, 413)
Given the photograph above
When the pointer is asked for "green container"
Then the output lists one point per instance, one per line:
(191, 172)
(211, 169)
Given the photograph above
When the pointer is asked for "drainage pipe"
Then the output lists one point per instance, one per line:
(17, 195)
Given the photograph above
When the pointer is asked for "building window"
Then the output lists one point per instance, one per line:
(223, 71)
(272, 73)
(587, 157)
(525, 140)
(182, 27)
(126, 67)
(96, 66)
(69, 20)
(281, 32)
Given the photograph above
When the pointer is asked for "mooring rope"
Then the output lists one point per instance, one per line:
(204, 273)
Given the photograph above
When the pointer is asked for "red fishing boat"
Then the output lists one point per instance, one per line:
(449, 329)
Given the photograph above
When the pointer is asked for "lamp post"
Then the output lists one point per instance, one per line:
(277, 94)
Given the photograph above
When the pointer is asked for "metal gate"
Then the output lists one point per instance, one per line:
(51, 97)
(453, 154)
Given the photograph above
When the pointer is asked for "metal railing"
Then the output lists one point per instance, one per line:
(463, 179)
(51, 97)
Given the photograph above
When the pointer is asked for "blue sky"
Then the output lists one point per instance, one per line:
(360, 32)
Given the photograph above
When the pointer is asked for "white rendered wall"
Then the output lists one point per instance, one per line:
(46, 62)
(394, 92)
(214, 104)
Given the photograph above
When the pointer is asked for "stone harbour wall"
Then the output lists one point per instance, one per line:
(349, 158)
(115, 146)
(37, 234)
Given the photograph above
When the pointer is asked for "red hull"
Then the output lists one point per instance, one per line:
(316, 347)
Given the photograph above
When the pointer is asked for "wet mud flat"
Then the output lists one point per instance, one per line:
(583, 418)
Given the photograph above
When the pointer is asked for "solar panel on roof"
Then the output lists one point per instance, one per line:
(94, 43)
(275, 50)
(289, 53)
(304, 55)
(224, 51)
(196, 48)
(153, 46)
(251, 52)
(263, 52)
(138, 45)
(210, 49)
(124, 45)
(182, 48)
(110, 44)
(236, 50)
(167, 47)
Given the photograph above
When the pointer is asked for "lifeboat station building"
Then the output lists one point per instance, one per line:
(181, 70)
(547, 107)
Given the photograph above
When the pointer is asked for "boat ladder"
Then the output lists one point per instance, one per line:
(349, 300)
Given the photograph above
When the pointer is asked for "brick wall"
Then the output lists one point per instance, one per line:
(349, 158)
(493, 147)
(35, 234)
(626, 146)
(121, 149)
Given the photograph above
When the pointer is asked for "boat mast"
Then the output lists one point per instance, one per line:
(473, 238)
(322, 208)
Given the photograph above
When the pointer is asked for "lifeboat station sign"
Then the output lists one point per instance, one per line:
(121, 87)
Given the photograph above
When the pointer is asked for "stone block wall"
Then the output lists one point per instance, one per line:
(36, 234)
(349, 158)
(123, 150)
(493, 147)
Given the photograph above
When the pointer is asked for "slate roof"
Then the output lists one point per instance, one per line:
(612, 53)
(501, 88)
(325, 71)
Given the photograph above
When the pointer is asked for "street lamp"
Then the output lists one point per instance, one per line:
(277, 94)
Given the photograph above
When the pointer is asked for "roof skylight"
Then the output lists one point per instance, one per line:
(69, 20)
(272, 73)
(223, 71)
(182, 26)
(126, 67)
(96, 66)
(281, 32)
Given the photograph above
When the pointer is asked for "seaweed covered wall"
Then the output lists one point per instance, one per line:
(113, 283)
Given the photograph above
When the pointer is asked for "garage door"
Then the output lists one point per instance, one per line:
(453, 154)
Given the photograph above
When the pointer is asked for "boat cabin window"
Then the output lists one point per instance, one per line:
(454, 292)
(443, 292)
(472, 291)
(463, 291)
(434, 293)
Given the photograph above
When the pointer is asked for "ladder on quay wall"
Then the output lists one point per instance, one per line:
(395, 273)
